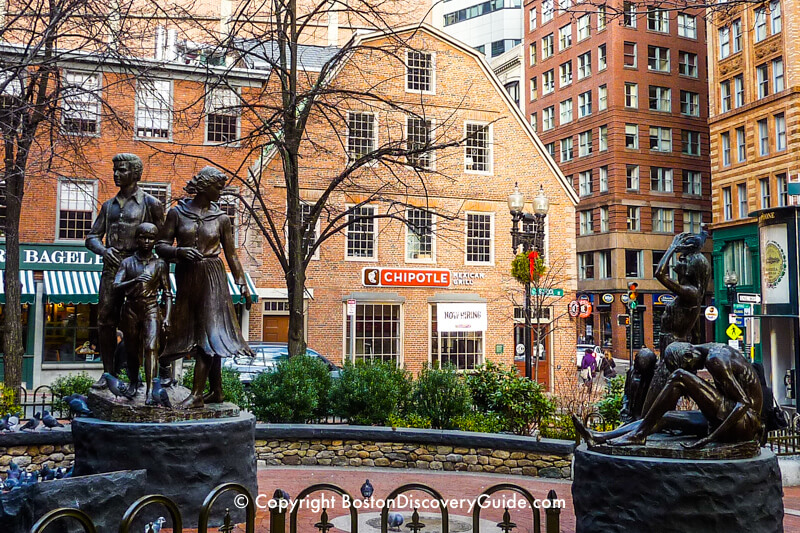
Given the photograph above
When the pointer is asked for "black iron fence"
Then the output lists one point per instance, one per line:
(280, 508)
(38, 400)
(786, 441)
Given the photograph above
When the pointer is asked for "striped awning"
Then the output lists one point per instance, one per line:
(28, 286)
(71, 286)
(233, 288)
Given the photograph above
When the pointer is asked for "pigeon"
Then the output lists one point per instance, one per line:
(155, 527)
(4, 423)
(33, 423)
(394, 521)
(13, 470)
(10, 484)
(367, 489)
(68, 473)
(77, 405)
(13, 423)
(47, 474)
(159, 394)
(118, 388)
(50, 422)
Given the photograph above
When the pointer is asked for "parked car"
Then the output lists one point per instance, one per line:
(580, 349)
(266, 359)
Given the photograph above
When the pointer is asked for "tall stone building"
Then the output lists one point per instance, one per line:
(620, 99)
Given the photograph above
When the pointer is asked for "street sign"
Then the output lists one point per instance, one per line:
(736, 319)
(546, 292)
(733, 331)
(351, 308)
(712, 313)
(574, 308)
(632, 305)
(748, 298)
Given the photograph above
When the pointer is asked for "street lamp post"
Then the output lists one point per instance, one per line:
(530, 237)
(731, 281)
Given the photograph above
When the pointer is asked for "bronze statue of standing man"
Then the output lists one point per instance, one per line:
(117, 222)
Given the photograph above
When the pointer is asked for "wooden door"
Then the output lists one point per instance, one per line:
(275, 328)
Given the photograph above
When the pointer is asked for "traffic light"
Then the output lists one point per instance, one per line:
(632, 292)
(623, 320)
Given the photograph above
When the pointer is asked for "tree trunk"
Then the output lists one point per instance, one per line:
(12, 325)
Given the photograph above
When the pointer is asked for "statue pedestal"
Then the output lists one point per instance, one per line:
(637, 494)
(184, 460)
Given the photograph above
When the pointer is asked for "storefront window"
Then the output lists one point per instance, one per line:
(462, 349)
(377, 332)
(25, 310)
(70, 333)
(605, 322)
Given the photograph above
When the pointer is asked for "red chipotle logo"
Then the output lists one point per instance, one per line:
(405, 277)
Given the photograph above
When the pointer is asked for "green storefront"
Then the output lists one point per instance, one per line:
(736, 250)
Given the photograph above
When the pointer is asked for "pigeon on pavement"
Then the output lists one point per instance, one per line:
(394, 521)
(77, 405)
(50, 421)
(33, 423)
(13, 423)
(118, 388)
(367, 489)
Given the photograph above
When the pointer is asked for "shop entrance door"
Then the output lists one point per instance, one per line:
(275, 328)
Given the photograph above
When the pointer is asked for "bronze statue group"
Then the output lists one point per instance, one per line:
(201, 322)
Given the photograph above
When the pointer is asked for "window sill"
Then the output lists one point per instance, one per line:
(77, 365)
(153, 139)
(362, 259)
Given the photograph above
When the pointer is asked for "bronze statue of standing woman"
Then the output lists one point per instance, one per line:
(204, 324)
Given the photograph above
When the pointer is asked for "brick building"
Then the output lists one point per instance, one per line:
(754, 81)
(465, 237)
(621, 103)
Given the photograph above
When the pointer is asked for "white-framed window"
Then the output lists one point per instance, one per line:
(585, 104)
(547, 46)
(741, 193)
(153, 109)
(463, 350)
(420, 72)
(687, 26)
(660, 139)
(687, 64)
(725, 141)
(548, 118)
(534, 122)
(81, 107)
(230, 205)
(602, 58)
(584, 65)
(586, 265)
(584, 30)
(160, 191)
(311, 235)
(532, 19)
(763, 137)
(362, 134)
(634, 222)
(534, 89)
(547, 11)
(362, 234)
(660, 98)
(629, 14)
(478, 148)
(531, 54)
(690, 141)
(601, 17)
(629, 54)
(663, 220)
(766, 193)
(725, 96)
(604, 219)
(724, 42)
(783, 190)
(223, 111)
(762, 80)
(634, 263)
(602, 138)
(379, 332)
(566, 149)
(741, 145)
(586, 222)
(632, 136)
(692, 182)
(736, 257)
(760, 27)
(604, 264)
(658, 20)
(738, 90)
(551, 149)
(692, 221)
(775, 23)
(660, 179)
(418, 137)
(632, 177)
(480, 239)
(565, 73)
(780, 132)
(603, 178)
(690, 103)
(565, 108)
(76, 203)
(658, 58)
(420, 235)
(602, 97)
(564, 37)
(548, 82)
(631, 95)
(778, 82)
(585, 183)
(727, 204)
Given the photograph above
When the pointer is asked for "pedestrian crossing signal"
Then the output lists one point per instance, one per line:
(623, 320)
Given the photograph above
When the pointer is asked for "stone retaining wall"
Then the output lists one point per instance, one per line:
(33, 457)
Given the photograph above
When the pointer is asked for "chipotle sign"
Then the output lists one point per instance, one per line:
(405, 277)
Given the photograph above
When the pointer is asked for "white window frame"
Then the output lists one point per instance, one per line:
(741, 144)
(775, 22)
(664, 179)
(687, 26)
(421, 164)
(763, 137)
(766, 193)
(780, 132)
(602, 58)
(87, 100)
(151, 185)
(432, 88)
(692, 182)
(565, 110)
(585, 104)
(692, 221)
(548, 118)
(687, 61)
(741, 194)
(633, 218)
(210, 100)
(724, 34)
(602, 138)
(690, 103)
(88, 186)
(586, 226)
(584, 27)
(585, 143)
(778, 75)
(585, 262)
(663, 220)
(547, 11)
(585, 183)
(548, 86)
(567, 146)
(480, 359)
(565, 74)
(375, 233)
(663, 139)
(400, 333)
(658, 20)
(632, 129)
(725, 97)
(564, 37)
(662, 64)
(351, 156)
(432, 258)
(760, 25)
(632, 179)
(602, 97)
(738, 91)
(548, 48)
(727, 204)
(491, 237)
(585, 65)
(604, 219)
(142, 91)
(489, 148)
(736, 36)
(762, 80)
(631, 95)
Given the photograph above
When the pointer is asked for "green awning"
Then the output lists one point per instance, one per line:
(233, 288)
(71, 286)
(28, 286)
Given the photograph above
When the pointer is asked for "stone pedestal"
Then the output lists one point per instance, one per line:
(184, 460)
(639, 494)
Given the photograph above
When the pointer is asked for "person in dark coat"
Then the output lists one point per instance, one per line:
(588, 366)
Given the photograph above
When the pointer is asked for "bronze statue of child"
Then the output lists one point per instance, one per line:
(141, 277)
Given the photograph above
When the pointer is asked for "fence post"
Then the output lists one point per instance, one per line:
(277, 513)
(552, 514)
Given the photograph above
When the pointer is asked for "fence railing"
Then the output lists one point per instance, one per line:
(280, 507)
(786, 441)
(38, 400)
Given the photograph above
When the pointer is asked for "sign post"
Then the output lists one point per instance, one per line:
(351, 313)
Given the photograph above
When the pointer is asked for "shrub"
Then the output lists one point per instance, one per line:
(522, 404)
(611, 404)
(297, 391)
(557, 427)
(232, 388)
(411, 420)
(441, 395)
(8, 401)
(480, 422)
(485, 382)
(77, 383)
(368, 393)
